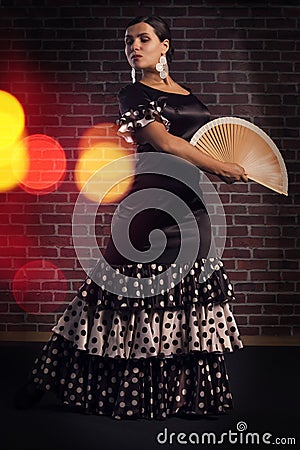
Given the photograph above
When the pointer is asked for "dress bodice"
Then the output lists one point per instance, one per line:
(183, 114)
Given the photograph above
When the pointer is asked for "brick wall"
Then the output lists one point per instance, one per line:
(64, 61)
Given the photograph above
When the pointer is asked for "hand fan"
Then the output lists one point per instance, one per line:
(231, 139)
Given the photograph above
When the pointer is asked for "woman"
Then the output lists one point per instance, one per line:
(158, 355)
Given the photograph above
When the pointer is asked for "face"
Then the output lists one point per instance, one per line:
(143, 47)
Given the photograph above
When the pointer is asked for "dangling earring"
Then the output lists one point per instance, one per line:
(133, 75)
(162, 67)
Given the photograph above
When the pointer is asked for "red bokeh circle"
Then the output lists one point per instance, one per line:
(47, 164)
(39, 282)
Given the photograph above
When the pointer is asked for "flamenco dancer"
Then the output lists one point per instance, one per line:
(159, 355)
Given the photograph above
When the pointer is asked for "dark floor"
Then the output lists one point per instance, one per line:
(264, 383)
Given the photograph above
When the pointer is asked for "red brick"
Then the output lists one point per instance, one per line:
(263, 320)
(40, 318)
(253, 264)
(241, 320)
(275, 331)
(247, 309)
(248, 331)
(11, 318)
(215, 66)
(290, 320)
(3, 307)
(248, 242)
(278, 287)
(268, 253)
(291, 297)
(260, 298)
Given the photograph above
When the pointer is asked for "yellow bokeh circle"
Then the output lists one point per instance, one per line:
(12, 120)
(94, 161)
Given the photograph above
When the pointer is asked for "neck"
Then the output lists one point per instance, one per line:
(153, 78)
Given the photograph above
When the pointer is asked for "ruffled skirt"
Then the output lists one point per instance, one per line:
(144, 357)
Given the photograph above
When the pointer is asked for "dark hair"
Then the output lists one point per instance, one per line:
(161, 29)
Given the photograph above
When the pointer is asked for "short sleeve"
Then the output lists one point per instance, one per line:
(137, 110)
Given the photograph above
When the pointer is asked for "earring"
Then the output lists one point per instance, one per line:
(133, 75)
(162, 67)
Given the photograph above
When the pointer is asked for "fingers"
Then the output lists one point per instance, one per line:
(231, 180)
(243, 178)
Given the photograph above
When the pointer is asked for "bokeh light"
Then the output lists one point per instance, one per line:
(13, 155)
(46, 164)
(102, 132)
(39, 282)
(93, 161)
(14, 165)
(12, 121)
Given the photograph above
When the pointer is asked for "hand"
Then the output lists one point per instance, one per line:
(232, 172)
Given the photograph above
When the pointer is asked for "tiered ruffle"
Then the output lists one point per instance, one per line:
(147, 357)
(151, 388)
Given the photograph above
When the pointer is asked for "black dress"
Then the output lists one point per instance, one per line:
(156, 353)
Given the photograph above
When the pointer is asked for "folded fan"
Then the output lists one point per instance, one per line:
(231, 139)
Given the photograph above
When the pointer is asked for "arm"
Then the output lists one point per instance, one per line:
(156, 135)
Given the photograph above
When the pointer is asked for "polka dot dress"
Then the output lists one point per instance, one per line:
(150, 358)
